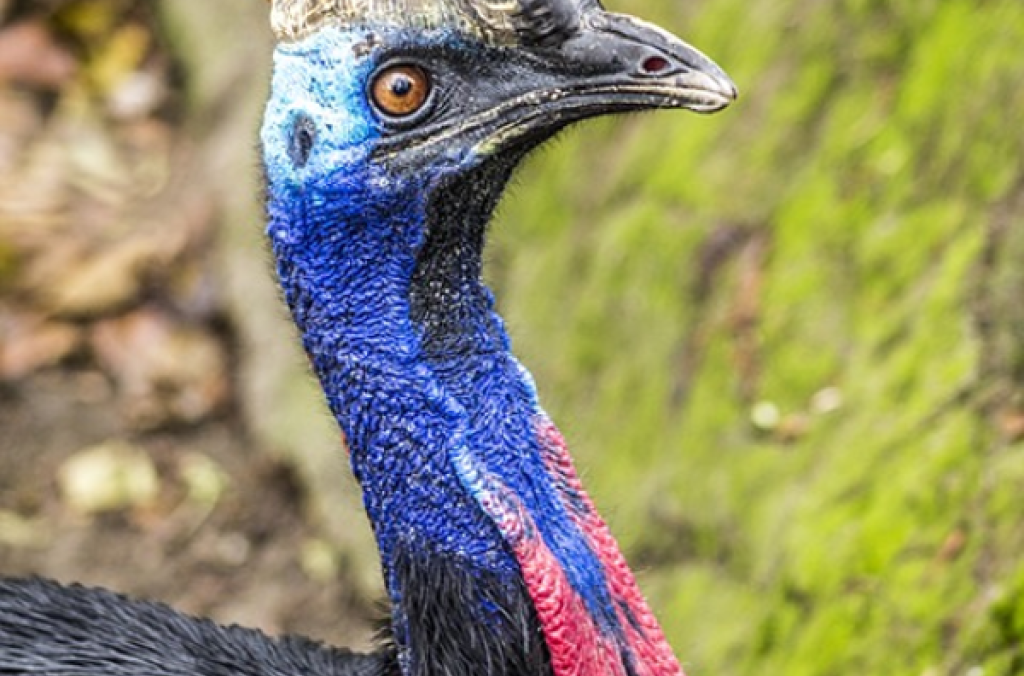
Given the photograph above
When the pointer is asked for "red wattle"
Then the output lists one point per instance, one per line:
(577, 645)
(653, 655)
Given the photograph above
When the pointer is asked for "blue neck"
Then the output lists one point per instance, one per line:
(347, 278)
(415, 364)
(351, 277)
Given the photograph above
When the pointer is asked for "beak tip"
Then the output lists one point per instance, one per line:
(730, 90)
(709, 91)
(734, 93)
(721, 84)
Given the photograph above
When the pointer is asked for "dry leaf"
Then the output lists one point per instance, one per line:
(30, 56)
(166, 372)
(29, 343)
(104, 282)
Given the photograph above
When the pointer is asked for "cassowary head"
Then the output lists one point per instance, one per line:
(425, 89)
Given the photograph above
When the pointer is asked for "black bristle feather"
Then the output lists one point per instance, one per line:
(441, 301)
(464, 622)
(47, 629)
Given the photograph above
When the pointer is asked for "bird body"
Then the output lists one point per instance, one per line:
(387, 147)
(54, 630)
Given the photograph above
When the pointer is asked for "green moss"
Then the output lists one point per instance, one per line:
(848, 205)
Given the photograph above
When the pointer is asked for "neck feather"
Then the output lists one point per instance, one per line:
(517, 467)
(493, 555)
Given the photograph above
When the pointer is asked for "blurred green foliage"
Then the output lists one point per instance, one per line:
(786, 342)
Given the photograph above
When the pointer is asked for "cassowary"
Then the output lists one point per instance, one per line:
(391, 131)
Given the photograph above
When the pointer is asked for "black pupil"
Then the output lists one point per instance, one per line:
(401, 85)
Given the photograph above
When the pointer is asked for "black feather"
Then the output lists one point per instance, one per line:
(465, 622)
(54, 630)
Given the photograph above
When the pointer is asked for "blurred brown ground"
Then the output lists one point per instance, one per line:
(128, 386)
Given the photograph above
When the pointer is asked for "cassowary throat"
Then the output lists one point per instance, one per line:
(390, 134)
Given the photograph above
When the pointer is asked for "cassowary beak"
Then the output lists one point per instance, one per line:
(610, 63)
(637, 58)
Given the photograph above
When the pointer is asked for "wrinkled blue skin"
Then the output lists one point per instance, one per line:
(347, 233)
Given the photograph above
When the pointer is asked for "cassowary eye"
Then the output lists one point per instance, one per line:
(400, 91)
(303, 138)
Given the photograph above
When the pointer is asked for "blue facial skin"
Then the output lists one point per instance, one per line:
(347, 232)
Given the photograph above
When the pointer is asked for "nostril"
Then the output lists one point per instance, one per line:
(303, 137)
(653, 65)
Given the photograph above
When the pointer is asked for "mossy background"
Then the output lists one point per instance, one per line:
(786, 340)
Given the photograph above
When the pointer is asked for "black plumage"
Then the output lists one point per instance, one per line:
(55, 630)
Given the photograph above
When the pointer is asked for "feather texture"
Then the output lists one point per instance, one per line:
(52, 630)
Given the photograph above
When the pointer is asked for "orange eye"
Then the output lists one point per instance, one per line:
(400, 91)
